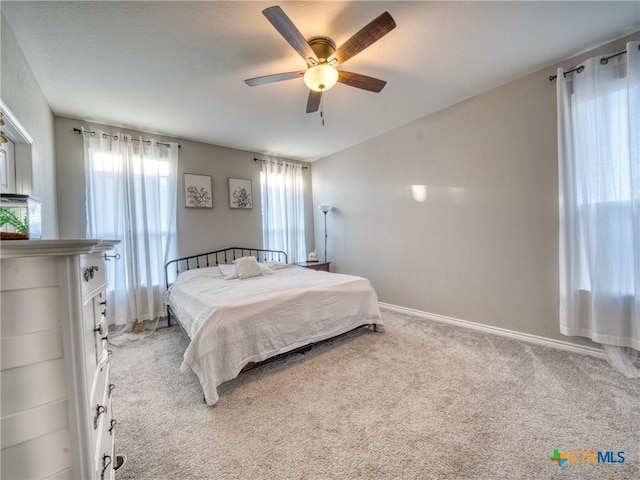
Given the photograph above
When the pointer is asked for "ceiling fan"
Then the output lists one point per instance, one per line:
(322, 57)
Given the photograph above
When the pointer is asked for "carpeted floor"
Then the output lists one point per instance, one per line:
(421, 400)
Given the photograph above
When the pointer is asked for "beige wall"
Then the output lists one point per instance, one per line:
(483, 247)
(22, 94)
(199, 230)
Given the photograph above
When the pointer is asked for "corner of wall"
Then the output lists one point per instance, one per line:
(22, 94)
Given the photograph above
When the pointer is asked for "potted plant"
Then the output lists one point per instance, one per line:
(21, 227)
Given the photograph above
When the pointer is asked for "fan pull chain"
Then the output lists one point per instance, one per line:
(322, 109)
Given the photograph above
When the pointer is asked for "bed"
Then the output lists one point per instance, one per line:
(235, 316)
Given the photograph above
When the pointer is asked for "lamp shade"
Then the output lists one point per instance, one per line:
(321, 77)
(325, 208)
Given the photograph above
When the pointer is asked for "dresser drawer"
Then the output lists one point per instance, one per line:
(95, 328)
(101, 338)
(104, 435)
(92, 274)
(100, 405)
(92, 349)
(105, 454)
(100, 387)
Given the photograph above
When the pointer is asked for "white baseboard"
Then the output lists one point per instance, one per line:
(525, 337)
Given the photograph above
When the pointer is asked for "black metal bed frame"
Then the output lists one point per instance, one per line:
(223, 256)
(227, 256)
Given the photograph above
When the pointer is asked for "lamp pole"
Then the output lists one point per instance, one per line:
(325, 235)
(325, 209)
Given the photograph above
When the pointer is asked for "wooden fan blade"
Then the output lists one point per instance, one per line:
(278, 77)
(369, 34)
(290, 32)
(361, 81)
(313, 103)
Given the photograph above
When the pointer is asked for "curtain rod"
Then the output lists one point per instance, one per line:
(92, 133)
(279, 163)
(580, 68)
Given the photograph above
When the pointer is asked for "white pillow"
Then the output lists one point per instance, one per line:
(248, 267)
(265, 269)
(229, 272)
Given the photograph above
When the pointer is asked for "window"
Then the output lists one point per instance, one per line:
(607, 189)
(131, 197)
(282, 195)
(599, 184)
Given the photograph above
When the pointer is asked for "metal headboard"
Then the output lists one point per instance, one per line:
(225, 256)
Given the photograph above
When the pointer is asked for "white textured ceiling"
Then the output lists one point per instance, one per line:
(177, 68)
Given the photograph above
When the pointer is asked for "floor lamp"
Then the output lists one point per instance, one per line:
(325, 209)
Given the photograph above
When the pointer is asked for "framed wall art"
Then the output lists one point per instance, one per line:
(198, 191)
(240, 194)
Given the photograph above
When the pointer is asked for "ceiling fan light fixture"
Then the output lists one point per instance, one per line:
(321, 78)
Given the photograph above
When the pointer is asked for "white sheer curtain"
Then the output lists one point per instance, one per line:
(599, 179)
(282, 194)
(131, 196)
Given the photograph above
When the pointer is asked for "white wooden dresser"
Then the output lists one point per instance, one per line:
(55, 388)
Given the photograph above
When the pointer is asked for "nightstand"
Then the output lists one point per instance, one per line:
(322, 266)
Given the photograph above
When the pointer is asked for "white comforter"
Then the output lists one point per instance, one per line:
(234, 322)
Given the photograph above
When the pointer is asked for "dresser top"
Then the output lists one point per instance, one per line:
(37, 248)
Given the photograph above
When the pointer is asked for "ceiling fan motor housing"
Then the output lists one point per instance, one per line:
(323, 47)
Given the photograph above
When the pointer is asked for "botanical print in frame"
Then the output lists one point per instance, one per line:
(198, 192)
(240, 195)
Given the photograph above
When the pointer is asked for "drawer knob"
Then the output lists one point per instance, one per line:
(88, 272)
(99, 329)
(100, 409)
(106, 461)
